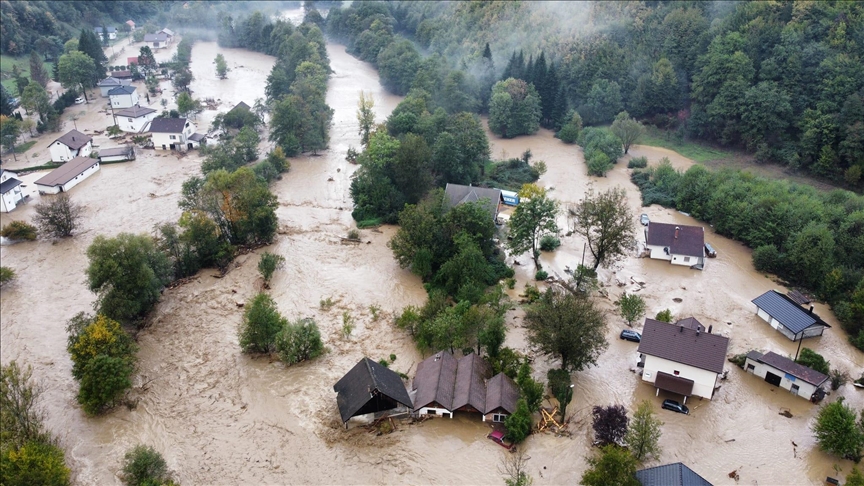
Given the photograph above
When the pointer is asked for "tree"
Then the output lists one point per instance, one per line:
(610, 424)
(855, 478)
(299, 341)
(606, 222)
(144, 466)
(76, 70)
(187, 105)
(567, 327)
(34, 463)
(21, 81)
(571, 130)
(365, 117)
(838, 433)
(10, 129)
(127, 273)
(221, 66)
(268, 264)
(514, 466)
(182, 79)
(614, 465)
(531, 220)
(644, 433)
(35, 100)
(261, 324)
(814, 360)
(561, 388)
(627, 129)
(631, 307)
(37, 70)
(532, 390)
(665, 316)
(20, 417)
(518, 424)
(146, 61)
(5, 102)
(514, 108)
(90, 45)
(19, 230)
(58, 217)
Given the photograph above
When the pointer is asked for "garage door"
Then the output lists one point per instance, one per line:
(772, 378)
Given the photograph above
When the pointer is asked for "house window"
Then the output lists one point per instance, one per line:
(750, 367)
(173, 137)
(431, 412)
(130, 120)
(499, 417)
(677, 372)
(686, 259)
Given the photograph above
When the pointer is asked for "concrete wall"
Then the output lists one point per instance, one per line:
(441, 412)
(125, 100)
(657, 253)
(134, 124)
(805, 390)
(60, 152)
(703, 380)
(687, 261)
(80, 177)
(779, 327)
(9, 201)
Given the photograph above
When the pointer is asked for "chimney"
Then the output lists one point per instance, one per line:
(811, 310)
(698, 332)
(710, 328)
(680, 328)
(676, 232)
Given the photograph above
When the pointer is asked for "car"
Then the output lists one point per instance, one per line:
(710, 251)
(629, 335)
(644, 219)
(676, 407)
(497, 436)
(79, 100)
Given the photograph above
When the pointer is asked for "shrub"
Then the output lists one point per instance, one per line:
(383, 362)
(519, 423)
(104, 381)
(610, 424)
(327, 303)
(354, 234)
(813, 360)
(19, 230)
(766, 258)
(347, 324)
(838, 379)
(268, 264)
(665, 315)
(261, 324)
(549, 243)
(59, 217)
(299, 341)
(838, 432)
(144, 466)
(375, 311)
(541, 275)
(511, 283)
(638, 163)
(569, 133)
(739, 360)
(6, 275)
(392, 357)
(33, 463)
(598, 164)
(531, 293)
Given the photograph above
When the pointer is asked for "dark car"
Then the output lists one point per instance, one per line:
(676, 407)
(644, 219)
(710, 251)
(631, 336)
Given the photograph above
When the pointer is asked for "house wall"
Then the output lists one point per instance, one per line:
(9, 201)
(775, 324)
(134, 124)
(113, 158)
(687, 261)
(80, 177)
(160, 139)
(84, 151)
(657, 253)
(805, 390)
(813, 332)
(124, 101)
(437, 411)
(703, 380)
(60, 152)
(489, 417)
(103, 90)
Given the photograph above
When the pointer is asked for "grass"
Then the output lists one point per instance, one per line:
(23, 63)
(20, 149)
(697, 151)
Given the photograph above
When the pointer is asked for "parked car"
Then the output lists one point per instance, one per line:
(497, 436)
(79, 100)
(675, 407)
(644, 219)
(629, 335)
(710, 251)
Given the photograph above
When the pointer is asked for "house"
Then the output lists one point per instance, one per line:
(168, 33)
(156, 41)
(72, 144)
(457, 194)
(125, 76)
(110, 83)
(369, 388)
(787, 374)
(117, 154)
(679, 244)
(132, 61)
(786, 316)
(174, 134)
(682, 358)
(131, 25)
(123, 97)
(444, 385)
(670, 475)
(134, 118)
(112, 32)
(10, 191)
(67, 175)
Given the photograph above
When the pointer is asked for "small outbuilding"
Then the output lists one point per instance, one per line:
(131, 24)
(676, 243)
(72, 144)
(10, 191)
(123, 97)
(369, 388)
(786, 316)
(133, 119)
(110, 83)
(67, 175)
(670, 475)
(125, 76)
(491, 199)
(782, 372)
(112, 32)
(117, 154)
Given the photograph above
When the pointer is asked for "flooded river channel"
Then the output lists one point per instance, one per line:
(220, 417)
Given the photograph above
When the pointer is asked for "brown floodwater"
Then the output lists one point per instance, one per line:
(220, 417)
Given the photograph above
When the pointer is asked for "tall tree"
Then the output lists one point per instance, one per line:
(530, 221)
(37, 69)
(221, 66)
(644, 433)
(837, 431)
(76, 71)
(627, 130)
(610, 424)
(365, 117)
(146, 61)
(89, 44)
(606, 222)
(631, 307)
(5, 102)
(614, 465)
(514, 108)
(35, 100)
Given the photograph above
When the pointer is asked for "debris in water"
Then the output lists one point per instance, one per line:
(786, 413)
(734, 475)
(677, 300)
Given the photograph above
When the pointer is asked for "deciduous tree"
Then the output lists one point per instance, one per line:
(614, 465)
(530, 221)
(365, 116)
(221, 66)
(76, 71)
(627, 130)
(837, 431)
(631, 307)
(37, 70)
(261, 324)
(644, 433)
(606, 222)
(58, 217)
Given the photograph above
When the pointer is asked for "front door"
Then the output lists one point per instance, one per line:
(794, 389)
(772, 378)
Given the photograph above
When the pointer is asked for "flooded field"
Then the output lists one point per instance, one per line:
(220, 417)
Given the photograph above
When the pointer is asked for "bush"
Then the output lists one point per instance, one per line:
(261, 324)
(6, 275)
(549, 243)
(569, 133)
(766, 258)
(383, 362)
(104, 381)
(531, 293)
(299, 341)
(144, 466)
(33, 463)
(268, 264)
(19, 230)
(838, 379)
(598, 164)
(353, 234)
(814, 361)
(541, 275)
(519, 423)
(739, 360)
(838, 432)
(665, 315)
(59, 217)
(610, 424)
(638, 163)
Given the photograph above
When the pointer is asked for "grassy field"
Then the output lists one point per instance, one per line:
(23, 63)
(697, 151)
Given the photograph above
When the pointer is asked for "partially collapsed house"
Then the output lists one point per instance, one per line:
(369, 388)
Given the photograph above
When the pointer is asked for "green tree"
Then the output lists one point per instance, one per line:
(299, 341)
(838, 433)
(531, 389)
(631, 307)
(34, 463)
(146, 61)
(571, 130)
(855, 478)
(261, 324)
(186, 105)
(221, 66)
(58, 217)
(567, 327)
(37, 70)
(182, 79)
(530, 221)
(518, 424)
(814, 361)
(10, 130)
(90, 45)
(810, 254)
(665, 315)
(627, 130)
(614, 465)
(144, 466)
(365, 117)
(397, 65)
(644, 433)
(76, 71)
(602, 102)
(20, 417)
(514, 108)
(19, 230)
(607, 224)
(268, 264)
(561, 388)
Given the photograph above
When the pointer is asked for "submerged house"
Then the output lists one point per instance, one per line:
(369, 388)
(123, 97)
(72, 144)
(110, 83)
(10, 191)
(670, 475)
(782, 372)
(174, 134)
(112, 32)
(134, 118)
(491, 199)
(786, 316)
(676, 243)
(67, 175)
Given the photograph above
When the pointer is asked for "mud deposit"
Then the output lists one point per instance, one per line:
(220, 417)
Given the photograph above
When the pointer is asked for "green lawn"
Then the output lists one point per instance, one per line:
(20, 149)
(23, 63)
(697, 151)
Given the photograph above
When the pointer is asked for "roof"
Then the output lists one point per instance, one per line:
(457, 194)
(66, 172)
(684, 345)
(109, 81)
(9, 184)
(132, 60)
(788, 366)
(159, 36)
(134, 111)
(74, 139)
(122, 74)
(197, 137)
(434, 381)
(674, 384)
(690, 240)
(798, 297)
(691, 323)
(366, 380)
(110, 30)
(115, 151)
(501, 393)
(130, 22)
(670, 475)
(167, 125)
(167, 31)
(787, 312)
(472, 371)
(122, 90)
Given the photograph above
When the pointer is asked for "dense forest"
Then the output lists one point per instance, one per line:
(782, 80)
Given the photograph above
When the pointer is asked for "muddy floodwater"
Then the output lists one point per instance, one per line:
(220, 417)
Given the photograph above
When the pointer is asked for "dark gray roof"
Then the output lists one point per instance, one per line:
(684, 345)
(786, 365)
(472, 371)
(167, 125)
(9, 184)
(457, 194)
(135, 111)
(501, 393)
(361, 389)
(690, 240)
(74, 139)
(156, 37)
(670, 475)
(122, 74)
(435, 380)
(240, 107)
(674, 384)
(787, 312)
(110, 30)
(798, 297)
(691, 323)
(122, 90)
(197, 137)
(115, 151)
(109, 81)
(68, 171)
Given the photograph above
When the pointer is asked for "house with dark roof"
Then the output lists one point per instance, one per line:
(125, 76)
(117, 154)
(157, 41)
(782, 372)
(369, 388)
(444, 385)
(72, 144)
(67, 175)
(682, 358)
(670, 475)
(123, 97)
(110, 83)
(457, 194)
(786, 316)
(134, 118)
(676, 243)
(10, 191)
(174, 134)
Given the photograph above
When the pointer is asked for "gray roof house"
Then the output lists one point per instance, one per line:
(457, 194)
(369, 388)
(782, 372)
(786, 316)
(680, 244)
(670, 475)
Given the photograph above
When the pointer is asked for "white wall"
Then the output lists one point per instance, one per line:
(80, 177)
(438, 411)
(134, 124)
(60, 152)
(9, 201)
(85, 150)
(703, 380)
(160, 139)
(775, 323)
(124, 101)
(103, 90)
(805, 391)
(657, 253)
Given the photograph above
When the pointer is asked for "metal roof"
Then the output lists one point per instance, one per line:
(159, 36)
(109, 81)
(9, 184)
(135, 111)
(681, 239)
(787, 312)
(501, 393)
(359, 391)
(788, 366)
(122, 90)
(458, 194)
(684, 345)
(472, 371)
(670, 475)
(115, 151)
(68, 171)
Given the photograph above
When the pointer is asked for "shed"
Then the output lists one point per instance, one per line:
(369, 388)
(10, 191)
(117, 154)
(677, 243)
(670, 475)
(67, 175)
(123, 76)
(782, 372)
(457, 194)
(108, 84)
(786, 316)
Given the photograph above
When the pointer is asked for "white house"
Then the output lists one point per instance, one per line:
(168, 33)
(174, 134)
(787, 374)
(679, 244)
(67, 175)
(112, 32)
(682, 358)
(10, 191)
(110, 83)
(131, 24)
(123, 97)
(117, 154)
(786, 316)
(134, 119)
(157, 41)
(72, 144)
